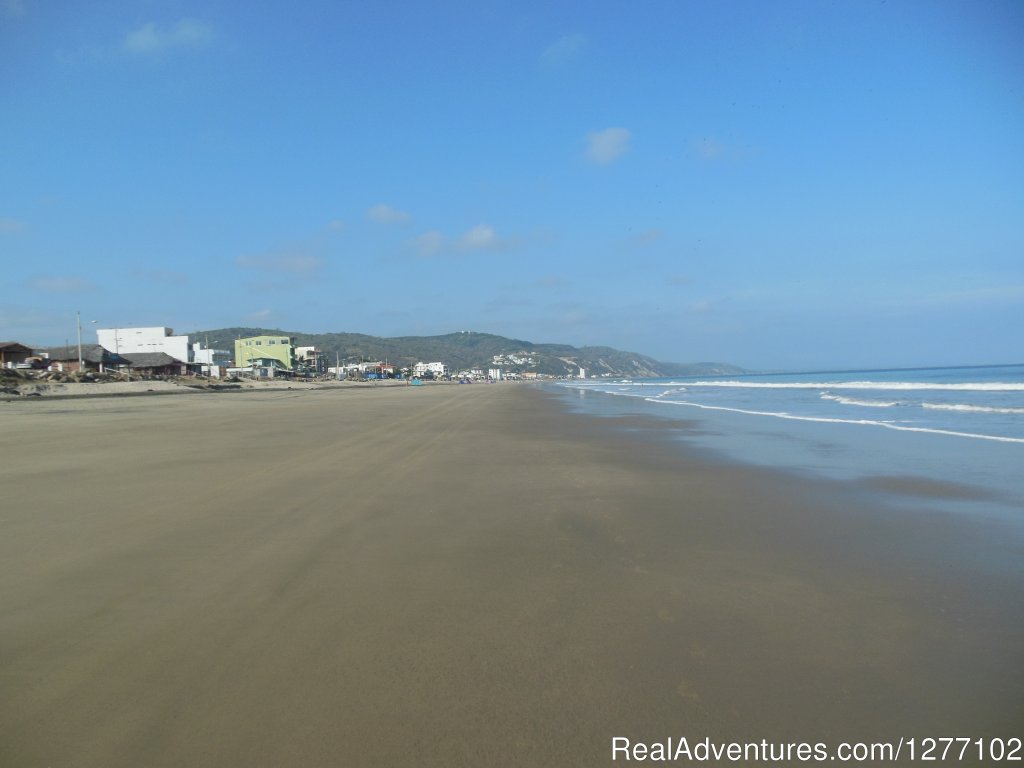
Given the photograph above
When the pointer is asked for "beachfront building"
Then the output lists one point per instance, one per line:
(125, 341)
(95, 359)
(311, 360)
(210, 362)
(12, 353)
(265, 351)
(436, 370)
(494, 374)
(151, 364)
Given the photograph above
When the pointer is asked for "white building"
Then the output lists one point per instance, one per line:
(440, 370)
(495, 374)
(124, 341)
(211, 360)
(311, 358)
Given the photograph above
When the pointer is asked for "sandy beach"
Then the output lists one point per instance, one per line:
(465, 576)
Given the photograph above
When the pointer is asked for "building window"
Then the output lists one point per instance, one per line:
(272, 341)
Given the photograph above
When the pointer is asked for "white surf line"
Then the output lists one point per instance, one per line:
(864, 422)
(970, 408)
(900, 386)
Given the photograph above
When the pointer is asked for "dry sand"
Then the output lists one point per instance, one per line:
(108, 387)
(447, 576)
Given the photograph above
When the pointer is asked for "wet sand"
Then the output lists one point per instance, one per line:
(448, 576)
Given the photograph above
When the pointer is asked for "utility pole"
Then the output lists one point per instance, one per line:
(78, 321)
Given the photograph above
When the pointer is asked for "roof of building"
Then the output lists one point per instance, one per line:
(91, 353)
(291, 339)
(14, 345)
(150, 359)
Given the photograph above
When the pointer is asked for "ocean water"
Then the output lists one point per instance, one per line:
(961, 429)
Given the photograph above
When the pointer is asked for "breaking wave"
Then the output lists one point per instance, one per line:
(864, 403)
(864, 422)
(979, 386)
(970, 408)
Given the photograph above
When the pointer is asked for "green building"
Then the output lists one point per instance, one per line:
(265, 351)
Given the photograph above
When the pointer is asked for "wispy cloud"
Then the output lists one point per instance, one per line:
(162, 276)
(647, 237)
(62, 284)
(679, 281)
(607, 146)
(550, 281)
(708, 148)
(429, 243)
(297, 260)
(385, 214)
(10, 226)
(515, 303)
(563, 50)
(1008, 293)
(711, 149)
(152, 38)
(336, 225)
(480, 237)
(259, 316)
(25, 323)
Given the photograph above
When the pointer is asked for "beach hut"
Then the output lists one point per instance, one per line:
(94, 358)
(12, 353)
(149, 364)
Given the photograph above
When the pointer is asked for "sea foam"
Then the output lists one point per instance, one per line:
(825, 420)
(980, 386)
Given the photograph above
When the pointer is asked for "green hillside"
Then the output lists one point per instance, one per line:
(468, 349)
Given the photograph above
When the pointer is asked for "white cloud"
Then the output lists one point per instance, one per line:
(336, 225)
(63, 284)
(297, 260)
(607, 146)
(479, 237)
(10, 226)
(259, 315)
(150, 38)
(482, 237)
(385, 214)
(563, 50)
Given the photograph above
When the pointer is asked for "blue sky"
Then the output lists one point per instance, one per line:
(776, 185)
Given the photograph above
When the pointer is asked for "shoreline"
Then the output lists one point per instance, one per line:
(467, 575)
(903, 465)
